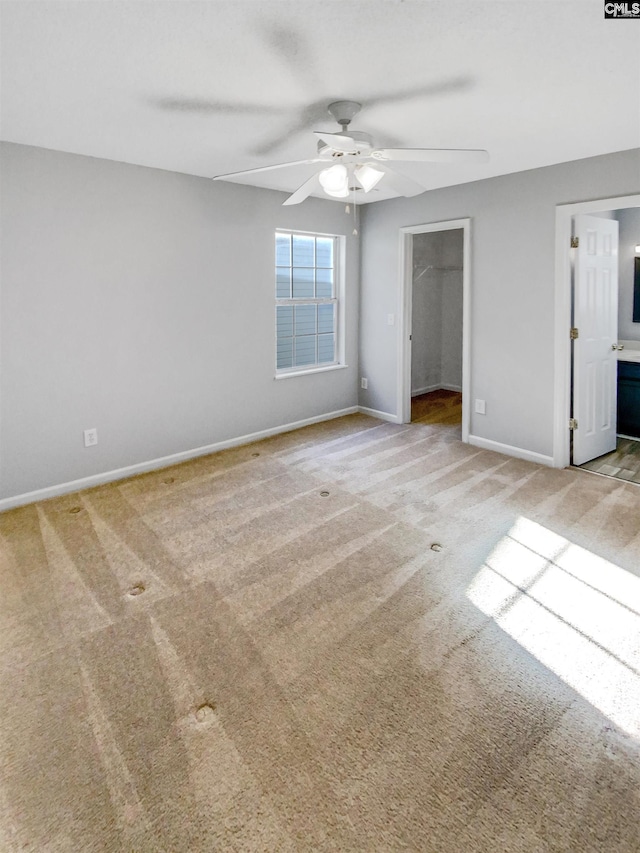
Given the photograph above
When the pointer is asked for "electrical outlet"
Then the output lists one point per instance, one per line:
(90, 437)
(364, 383)
(481, 407)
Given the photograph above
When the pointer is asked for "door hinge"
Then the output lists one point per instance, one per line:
(573, 333)
(575, 242)
(573, 423)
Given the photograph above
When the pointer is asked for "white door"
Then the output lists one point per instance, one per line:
(594, 357)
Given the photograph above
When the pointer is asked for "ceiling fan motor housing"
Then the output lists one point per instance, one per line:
(362, 145)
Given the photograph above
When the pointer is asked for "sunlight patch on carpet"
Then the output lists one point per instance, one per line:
(576, 612)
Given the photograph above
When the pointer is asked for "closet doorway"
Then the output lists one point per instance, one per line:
(435, 287)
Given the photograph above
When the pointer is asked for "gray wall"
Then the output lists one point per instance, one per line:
(436, 348)
(426, 327)
(629, 238)
(512, 288)
(141, 302)
(451, 278)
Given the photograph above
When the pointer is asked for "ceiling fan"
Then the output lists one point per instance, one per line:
(348, 161)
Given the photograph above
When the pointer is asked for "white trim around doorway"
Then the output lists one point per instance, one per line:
(403, 382)
(562, 344)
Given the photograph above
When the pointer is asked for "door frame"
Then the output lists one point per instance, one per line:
(403, 405)
(562, 342)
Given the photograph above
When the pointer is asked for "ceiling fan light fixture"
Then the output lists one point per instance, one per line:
(343, 193)
(345, 162)
(335, 181)
(367, 176)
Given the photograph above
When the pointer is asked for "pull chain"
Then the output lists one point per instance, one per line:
(355, 220)
(347, 210)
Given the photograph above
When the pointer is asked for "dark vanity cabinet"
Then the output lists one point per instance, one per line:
(629, 398)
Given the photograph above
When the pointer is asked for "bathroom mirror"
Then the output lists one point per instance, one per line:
(636, 291)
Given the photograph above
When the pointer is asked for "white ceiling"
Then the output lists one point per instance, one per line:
(212, 87)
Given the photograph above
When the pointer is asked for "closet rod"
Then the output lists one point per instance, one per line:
(432, 269)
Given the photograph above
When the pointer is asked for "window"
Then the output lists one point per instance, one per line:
(307, 302)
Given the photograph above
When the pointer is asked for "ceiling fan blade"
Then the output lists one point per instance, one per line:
(295, 52)
(205, 106)
(400, 183)
(432, 155)
(266, 169)
(389, 139)
(304, 191)
(442, 87)
(339, 141)
(307, 117)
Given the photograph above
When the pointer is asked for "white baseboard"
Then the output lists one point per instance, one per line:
(415, 392)
(439, 386)
(508, 450)
(383, 416)
(163, 462)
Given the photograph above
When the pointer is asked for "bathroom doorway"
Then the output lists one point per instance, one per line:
(435, 324)
(622, 461)
(606, 361)
(563, 347)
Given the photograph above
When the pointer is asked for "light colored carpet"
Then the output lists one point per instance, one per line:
(303, 671)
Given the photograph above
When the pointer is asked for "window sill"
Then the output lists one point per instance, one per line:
(309, 371)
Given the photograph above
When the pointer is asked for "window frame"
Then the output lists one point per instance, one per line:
(337, 300)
